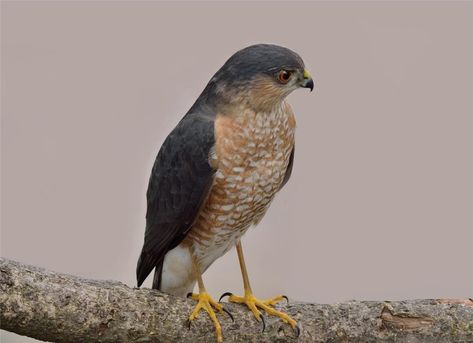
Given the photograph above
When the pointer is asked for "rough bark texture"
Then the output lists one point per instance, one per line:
(63, 308)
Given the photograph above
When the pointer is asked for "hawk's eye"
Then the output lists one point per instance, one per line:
(284, 76)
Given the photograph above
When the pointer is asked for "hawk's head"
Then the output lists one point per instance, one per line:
(259, 76)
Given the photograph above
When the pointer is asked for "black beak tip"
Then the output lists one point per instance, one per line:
(310, 84)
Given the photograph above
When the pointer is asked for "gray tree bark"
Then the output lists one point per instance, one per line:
(62, 308)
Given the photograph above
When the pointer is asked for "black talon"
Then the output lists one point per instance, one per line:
(263, 321)
(228, 312)
(188, 322)
(189, 295)
(298, 330)
(224, 295)
(287, 299)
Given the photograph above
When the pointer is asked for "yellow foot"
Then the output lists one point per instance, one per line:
(266, 305)
(208, 304)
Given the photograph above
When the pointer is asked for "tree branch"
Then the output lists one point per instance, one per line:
(63, 308)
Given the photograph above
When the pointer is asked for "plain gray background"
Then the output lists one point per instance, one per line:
(380, 201)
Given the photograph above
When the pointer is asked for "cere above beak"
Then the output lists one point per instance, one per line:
(308, 82)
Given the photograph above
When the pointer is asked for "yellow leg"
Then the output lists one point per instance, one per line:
(255, 304)
(206, 303)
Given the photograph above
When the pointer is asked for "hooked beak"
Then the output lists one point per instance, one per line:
(308, 82)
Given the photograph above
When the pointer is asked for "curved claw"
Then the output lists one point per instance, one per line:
(226, 294)
(189, 295)
(264, 322)
(287, 299)
(188, 323)
(228, 312)
(298, 330)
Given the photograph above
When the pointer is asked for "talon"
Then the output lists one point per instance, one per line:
(287, 299)
(266, 306)
(189, 295)
(226, 294)
(298, 330)
(188, 323)
(264, 322)
(228, 312)
(207, 304)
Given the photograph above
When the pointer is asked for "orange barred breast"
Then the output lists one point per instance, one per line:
(251, 155)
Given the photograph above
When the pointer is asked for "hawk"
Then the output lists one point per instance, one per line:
(217, 173)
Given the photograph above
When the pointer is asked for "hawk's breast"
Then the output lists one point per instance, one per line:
(251, 155)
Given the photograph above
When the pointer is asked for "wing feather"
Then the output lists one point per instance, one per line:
(288, 173)
(180, 182)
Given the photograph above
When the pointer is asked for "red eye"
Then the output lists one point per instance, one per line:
(284, 76)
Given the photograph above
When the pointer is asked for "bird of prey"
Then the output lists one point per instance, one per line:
(217, 173)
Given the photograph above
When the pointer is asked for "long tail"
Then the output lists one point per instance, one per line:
(158, 272)
(146, 263)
